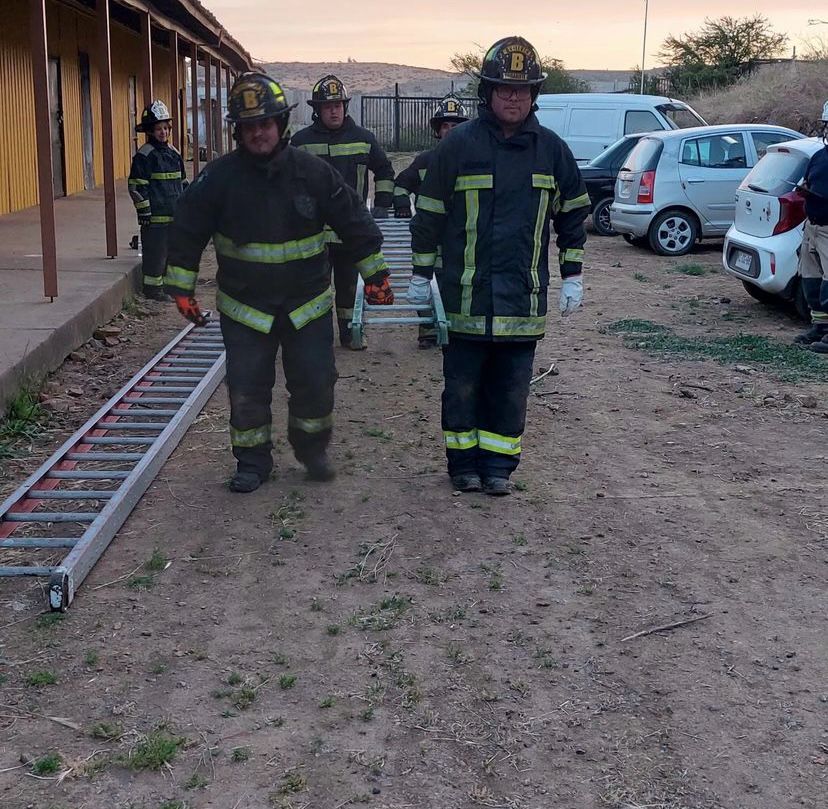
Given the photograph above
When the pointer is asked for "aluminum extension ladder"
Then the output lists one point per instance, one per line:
(396, 248)
(82, 495)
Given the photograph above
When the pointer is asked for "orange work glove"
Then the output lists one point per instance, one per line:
(379, 293)
(189, 308)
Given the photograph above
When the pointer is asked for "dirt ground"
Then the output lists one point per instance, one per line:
(381, 641)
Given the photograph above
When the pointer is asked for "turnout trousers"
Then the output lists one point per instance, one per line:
(813, 269)
(345, 274)
(153, 255)
(484, 405)
(310, 375)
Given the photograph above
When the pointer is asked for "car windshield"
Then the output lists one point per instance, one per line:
(680, 116)
(776, 173)
(614, 155)
(644, 156)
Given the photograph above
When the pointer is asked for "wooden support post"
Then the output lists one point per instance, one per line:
(208, 106)
(228, 127)
(175, 106)
(219, 124)
(107, 137)
(146, 58)
(45, 180)
(194, 112)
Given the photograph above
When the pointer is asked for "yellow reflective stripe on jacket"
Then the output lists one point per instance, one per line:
(384, 186)
(371, 265)
(250, 438)
(470, 252)
(348, 149)
(137, 181)
(153, 280)
(160, 220)
(315, 148)
(165, 175)
(271, 253)
(571, 254)
(399, 191)
(501, 444)
(578, 202)
(466, 324)
(474, 182)
(540, 225)
(244, 314)
(422, 173)
(423, 259)
(330, 236)
(311, 425)
(430, 204)
(313, 309)
(466, 440)
(180, 278)
(362, 171)
(532, 326)
(144, 203)
(546, 181)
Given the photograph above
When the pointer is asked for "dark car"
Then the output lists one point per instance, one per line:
(600, 175)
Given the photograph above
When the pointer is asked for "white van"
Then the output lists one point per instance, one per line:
(591, 122)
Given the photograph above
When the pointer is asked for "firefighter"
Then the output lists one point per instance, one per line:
(353, 152)
(450, 113)
(485, 205)
(265, 206)
(813, 257)
(156, 181)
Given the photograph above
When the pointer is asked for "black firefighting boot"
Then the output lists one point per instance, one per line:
(319, 468)
(497, 487)
(466, 483)
(821, 347)
(245, 482)
(155, 293)
(813, 335)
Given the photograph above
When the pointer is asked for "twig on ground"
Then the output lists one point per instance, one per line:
(666, 627)
(122, 578)
(553, 369)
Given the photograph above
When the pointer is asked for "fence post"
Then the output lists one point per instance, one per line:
(396, 117)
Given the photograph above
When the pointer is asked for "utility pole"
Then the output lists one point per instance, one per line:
(644, 44)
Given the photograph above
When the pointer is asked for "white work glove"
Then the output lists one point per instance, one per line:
(572, 294)
(419, 290)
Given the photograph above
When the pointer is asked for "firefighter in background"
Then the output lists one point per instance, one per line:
(353, 151)
(813, 257)
(266, 206)
(449, 114)
(157, 179)
(485, 205)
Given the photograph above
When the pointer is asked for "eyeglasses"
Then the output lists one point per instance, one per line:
(506, 91)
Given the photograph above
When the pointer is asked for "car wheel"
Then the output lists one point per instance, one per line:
(601, 218)
(635, 241)
(759, 294)
(673, 233)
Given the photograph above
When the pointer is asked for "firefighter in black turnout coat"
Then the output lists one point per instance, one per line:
(353, 151)
(157, 179)
(266, 206)
(485, 205)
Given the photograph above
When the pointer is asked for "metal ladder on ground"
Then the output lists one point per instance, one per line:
(396, 248)
(74, 504)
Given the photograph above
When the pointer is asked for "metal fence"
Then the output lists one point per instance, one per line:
(401, 123)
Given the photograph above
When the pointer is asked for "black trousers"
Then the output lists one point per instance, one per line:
(484, 405)
(310, 375)
(345, 274)
(153, 254)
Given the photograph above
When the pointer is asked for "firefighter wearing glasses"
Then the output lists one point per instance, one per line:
(157, 179)
(266, 206)
(353, 152)
(485, 206)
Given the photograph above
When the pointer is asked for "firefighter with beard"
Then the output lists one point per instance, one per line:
(266, 206)
(353, 151)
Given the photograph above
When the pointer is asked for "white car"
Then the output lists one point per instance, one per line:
(761, 248)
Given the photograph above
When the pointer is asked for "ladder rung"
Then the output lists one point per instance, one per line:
(400, 321)
(104, 456)
(164, 389)
(66, 494)
(188, 361)
(165, 378)
(187, 351)
(50, 516)
(188, 370)
(39, 542)
(154, 400)
(25, 571)
(124, 439)
(113, 426)
(142, 411)
(92, 474)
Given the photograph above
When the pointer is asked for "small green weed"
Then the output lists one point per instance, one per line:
(244, 697)
(47, 765)
(49, 620)
(158, 668)
(333, 629)
(140, 582)
(38, 679)
(384, 615)
(430, 576)
(495, 576)
(520, 540)
(293, 782)
(280, 659)
(316, 605)
(106, 731)
(196, 781)
(173, 805)
(23, 422)
(240, 754)
(691, 269)
(234, 678)
(448, 615)
(368, 714)
(639, 276)
(156, 562)
(375, 432)
(155, 750)
(520, 486)
(328, 701)
(91, 658)
(287, 681)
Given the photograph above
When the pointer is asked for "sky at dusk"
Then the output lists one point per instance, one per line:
(596, 34)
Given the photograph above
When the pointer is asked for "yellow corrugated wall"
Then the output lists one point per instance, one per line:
(69, 33)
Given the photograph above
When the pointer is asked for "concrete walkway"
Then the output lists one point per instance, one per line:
(36, 335)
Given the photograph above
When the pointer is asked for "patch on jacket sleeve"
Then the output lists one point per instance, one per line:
(305, 206)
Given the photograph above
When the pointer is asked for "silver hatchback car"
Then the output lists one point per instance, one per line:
(679, 186)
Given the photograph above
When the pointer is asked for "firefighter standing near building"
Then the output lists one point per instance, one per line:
(450, 113)
(266, 206)
(353, 151)
(157, 179)
(813, 257)
(485, 204)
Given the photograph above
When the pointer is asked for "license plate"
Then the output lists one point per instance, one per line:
(742, 261)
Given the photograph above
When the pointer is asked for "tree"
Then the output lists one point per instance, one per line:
(558, 79)
(720, 52)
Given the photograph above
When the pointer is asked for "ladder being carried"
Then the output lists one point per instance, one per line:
(396, 248)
